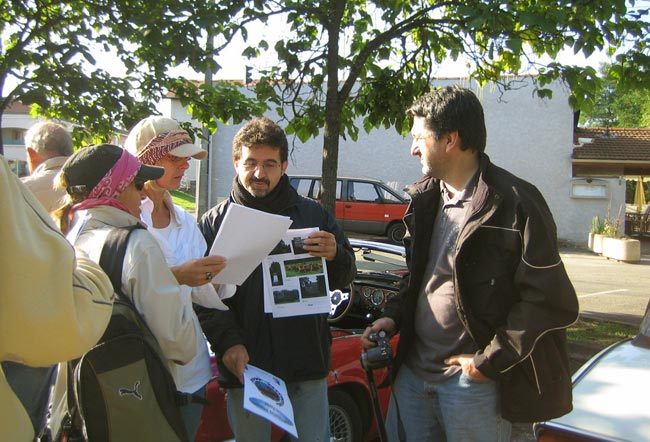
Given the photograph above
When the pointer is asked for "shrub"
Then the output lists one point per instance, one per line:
(598, 225)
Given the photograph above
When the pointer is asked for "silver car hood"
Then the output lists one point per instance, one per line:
(611, 394)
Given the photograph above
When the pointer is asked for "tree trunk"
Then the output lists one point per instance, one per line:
(330, 162)
(332, 110)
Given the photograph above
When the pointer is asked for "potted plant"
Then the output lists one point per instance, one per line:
(596, 234)
(620, 248)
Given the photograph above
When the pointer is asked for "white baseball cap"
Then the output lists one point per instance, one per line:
(154, 126)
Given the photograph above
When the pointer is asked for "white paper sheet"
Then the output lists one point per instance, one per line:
(245, 237)
(266, 396)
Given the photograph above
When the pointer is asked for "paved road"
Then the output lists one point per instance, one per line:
(607, 289)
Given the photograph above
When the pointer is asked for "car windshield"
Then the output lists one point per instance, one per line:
(384, 258)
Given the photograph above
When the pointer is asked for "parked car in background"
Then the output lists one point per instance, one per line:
(363, 205)
(380, 268)
(610, 396)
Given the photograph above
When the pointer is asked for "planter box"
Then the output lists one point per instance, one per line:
(590, 241)
(622, 249)
(598, 243)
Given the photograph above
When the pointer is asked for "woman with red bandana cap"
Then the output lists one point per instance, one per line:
(105, 185)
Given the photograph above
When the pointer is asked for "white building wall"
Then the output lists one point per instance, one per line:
(531, 137)
(15, 150)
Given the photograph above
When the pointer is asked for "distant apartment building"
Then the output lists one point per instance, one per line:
(15, 122)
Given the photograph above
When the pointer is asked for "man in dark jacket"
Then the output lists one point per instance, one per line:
(295, 348)
(483, 312)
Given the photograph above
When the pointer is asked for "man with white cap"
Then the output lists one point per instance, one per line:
(160, 141)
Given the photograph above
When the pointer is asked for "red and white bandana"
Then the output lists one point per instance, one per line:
(111, 185)
(161, 145)
(117, 178)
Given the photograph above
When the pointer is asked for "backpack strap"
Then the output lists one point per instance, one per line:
(111, 259)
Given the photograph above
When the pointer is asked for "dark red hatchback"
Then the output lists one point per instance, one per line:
(363, 205)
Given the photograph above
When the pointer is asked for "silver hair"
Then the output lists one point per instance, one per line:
(50, 138)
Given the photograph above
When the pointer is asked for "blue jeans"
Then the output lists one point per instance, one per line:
(310, 412)
(191, 414)
(456, 410)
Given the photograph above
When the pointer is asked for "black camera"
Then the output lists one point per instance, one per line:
(379, 356)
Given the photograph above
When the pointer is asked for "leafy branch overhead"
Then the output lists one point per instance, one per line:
(341, 60)
(102, 65)
(323, 65)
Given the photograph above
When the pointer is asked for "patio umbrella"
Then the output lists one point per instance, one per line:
(639, 195)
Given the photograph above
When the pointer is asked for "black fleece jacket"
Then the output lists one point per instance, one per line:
(294, 348)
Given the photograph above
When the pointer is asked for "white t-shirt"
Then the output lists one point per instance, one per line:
(180, 242)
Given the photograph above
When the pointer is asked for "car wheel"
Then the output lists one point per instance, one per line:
(345, 418)
(395, 232)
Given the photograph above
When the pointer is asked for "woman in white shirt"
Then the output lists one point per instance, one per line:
(161, 142)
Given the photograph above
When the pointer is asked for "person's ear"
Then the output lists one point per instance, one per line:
(285, 164)
(33, 159)
(452, 140)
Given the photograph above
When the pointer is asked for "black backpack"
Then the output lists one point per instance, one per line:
(121, 389)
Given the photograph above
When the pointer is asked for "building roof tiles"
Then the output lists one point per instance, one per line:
(612, 144)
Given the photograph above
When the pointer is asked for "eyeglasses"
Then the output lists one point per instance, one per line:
(139, 184)
(420, 137)
(267, 166)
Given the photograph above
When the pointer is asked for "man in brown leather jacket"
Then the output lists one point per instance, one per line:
(483, 313)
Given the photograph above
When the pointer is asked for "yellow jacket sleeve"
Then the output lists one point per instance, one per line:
(54, 305)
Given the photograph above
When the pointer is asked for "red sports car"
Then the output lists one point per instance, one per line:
(380, 267)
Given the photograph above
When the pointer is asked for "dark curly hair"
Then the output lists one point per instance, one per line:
(260, 131)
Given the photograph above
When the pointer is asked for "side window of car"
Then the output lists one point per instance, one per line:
(317, 189)
(301, 185)
(387, 196)
(364, 192)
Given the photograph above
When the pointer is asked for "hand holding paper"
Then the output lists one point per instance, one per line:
(321, 244)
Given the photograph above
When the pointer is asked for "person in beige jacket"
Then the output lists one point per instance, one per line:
(54, 303)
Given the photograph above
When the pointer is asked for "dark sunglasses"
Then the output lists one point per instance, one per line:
(139, 183)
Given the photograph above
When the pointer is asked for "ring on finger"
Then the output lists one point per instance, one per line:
(208, 276)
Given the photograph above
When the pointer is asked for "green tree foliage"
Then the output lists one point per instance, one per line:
(617, 105)
(337, 59)
(50, 51)
(342, 59)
